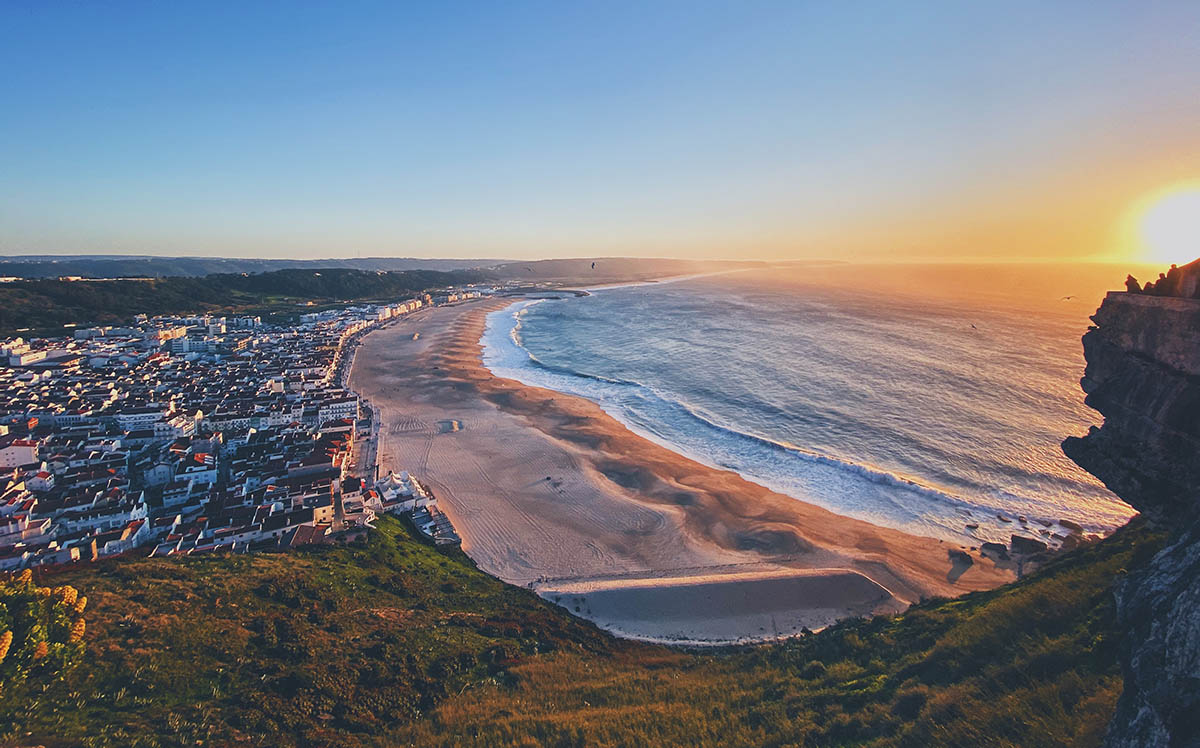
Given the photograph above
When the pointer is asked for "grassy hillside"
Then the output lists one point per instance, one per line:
(393, 642)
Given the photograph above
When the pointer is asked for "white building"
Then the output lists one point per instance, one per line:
(16, 452)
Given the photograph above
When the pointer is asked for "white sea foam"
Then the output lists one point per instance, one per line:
(846, 487)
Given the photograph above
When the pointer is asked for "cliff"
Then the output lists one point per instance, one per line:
(1143, 375)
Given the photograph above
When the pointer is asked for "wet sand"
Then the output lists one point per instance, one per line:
(736, 607)
(549, 491)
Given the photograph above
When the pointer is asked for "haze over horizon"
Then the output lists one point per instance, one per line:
(760, 130)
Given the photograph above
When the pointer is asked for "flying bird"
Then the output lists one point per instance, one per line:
(1066, 298)
(593, 266)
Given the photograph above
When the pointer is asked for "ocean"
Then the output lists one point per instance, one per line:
(924, 398)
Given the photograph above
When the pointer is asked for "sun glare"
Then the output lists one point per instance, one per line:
(1169, 228)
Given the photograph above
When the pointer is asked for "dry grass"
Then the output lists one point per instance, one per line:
(393, 642)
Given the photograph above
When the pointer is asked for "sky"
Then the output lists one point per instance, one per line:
(790, 130)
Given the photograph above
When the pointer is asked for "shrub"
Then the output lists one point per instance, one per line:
(41, 630)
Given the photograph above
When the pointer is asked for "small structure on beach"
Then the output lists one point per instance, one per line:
(397, 493)
(435, 525)
(401, 494)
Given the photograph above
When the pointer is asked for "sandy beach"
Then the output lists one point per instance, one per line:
(549, 491)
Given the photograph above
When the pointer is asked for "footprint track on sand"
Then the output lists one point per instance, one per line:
(516, 504)
(405, 425)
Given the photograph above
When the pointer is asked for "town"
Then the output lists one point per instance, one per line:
(195, 434)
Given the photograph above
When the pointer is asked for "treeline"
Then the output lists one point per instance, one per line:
(47, 304)
(115, 266)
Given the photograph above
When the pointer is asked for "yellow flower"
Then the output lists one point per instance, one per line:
(81, 603)
(67, 594)
(25, 577)
(77, 630)
(5, 643)
(41, 650)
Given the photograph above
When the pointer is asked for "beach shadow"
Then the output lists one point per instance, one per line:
(958, 567)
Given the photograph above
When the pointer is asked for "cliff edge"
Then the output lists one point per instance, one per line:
(1143, 375)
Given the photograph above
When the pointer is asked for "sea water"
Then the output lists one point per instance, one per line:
(925, 398)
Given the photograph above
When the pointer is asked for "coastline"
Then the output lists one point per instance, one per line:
(544, 485)
(657, 281)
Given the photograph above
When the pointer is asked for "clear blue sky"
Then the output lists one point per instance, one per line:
(560, 128)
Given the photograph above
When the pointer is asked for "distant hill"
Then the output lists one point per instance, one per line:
(45, 305)
(597, 270)
(147, 266)
(42, 305)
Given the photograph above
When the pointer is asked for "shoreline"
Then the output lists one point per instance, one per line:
(543, 485)
(901, 481)
(844, 486)
(658, 281)
(743, 607)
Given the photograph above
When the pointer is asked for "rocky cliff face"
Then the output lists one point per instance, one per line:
(1143, 375)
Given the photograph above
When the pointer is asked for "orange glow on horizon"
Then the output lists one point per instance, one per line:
(1166, 225)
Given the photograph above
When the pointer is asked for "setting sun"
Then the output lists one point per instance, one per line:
(1169, 228)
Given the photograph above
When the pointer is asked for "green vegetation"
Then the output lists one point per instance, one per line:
(393, 642)
(41, 632)
(48, 304)
(145, 266)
